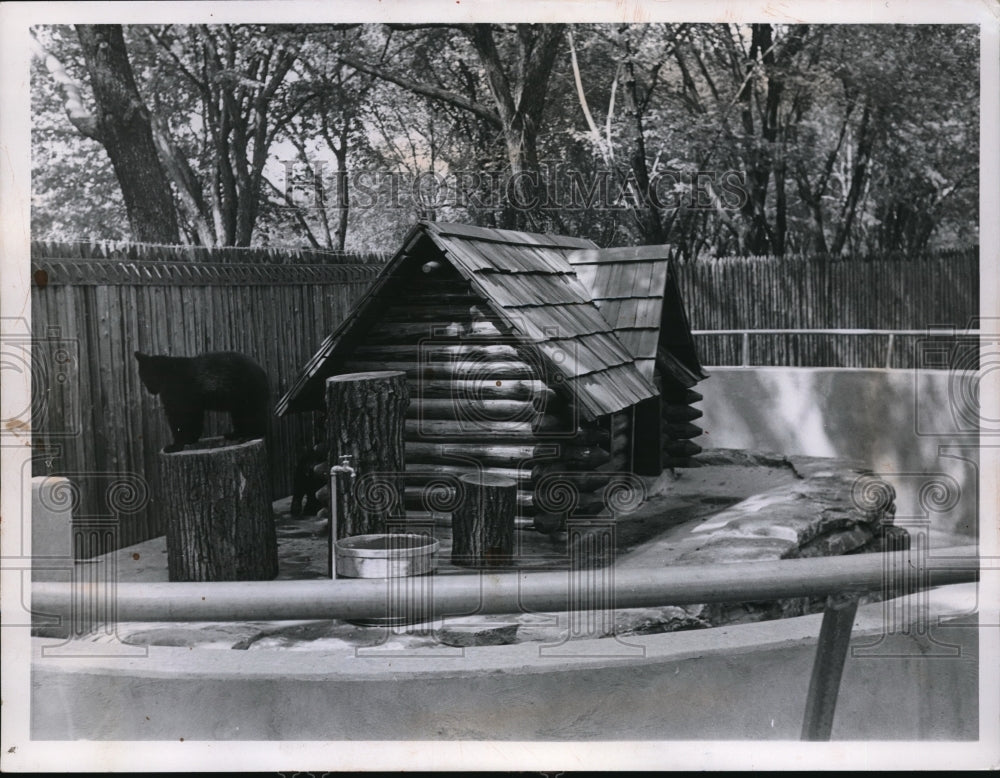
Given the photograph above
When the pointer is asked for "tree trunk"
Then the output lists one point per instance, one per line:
(520, 104)
(646, 213)
(343, 182)
(522, 195)
(758, 167)
(776, 133)
(217, 506)
(483, 522)
(862, 157)
(124, 127)
(364, 422)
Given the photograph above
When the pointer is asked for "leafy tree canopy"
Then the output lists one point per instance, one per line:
(717, 138)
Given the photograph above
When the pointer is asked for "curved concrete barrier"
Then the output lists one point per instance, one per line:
(740, 682)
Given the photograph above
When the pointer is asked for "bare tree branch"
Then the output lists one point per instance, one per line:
(582, 97)
(186, 182)
(427, 91)
(295, 211)
(496, 76)
(466, 28)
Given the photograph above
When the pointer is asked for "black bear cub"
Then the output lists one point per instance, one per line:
(305, 483)
(218, 381)
(305, 480)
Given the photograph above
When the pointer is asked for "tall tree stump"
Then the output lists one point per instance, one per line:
(482, 524)
(365, 415)
(217, 505)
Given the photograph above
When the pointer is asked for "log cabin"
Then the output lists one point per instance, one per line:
(541, 358)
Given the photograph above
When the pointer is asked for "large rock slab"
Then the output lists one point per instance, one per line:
(833, 507)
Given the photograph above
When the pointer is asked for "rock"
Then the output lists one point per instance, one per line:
(794, 529)
(478, 633)
(724, 550)
(835, 543)
(732, 456)
(813, 467)
(750, 612)
(651, 621)
(191, 634)
(889, 538)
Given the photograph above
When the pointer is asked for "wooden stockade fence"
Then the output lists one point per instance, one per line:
(242, 255)
(901, 293)
(93, 419)
(94, 304)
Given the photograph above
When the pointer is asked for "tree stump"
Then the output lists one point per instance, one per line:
(482, 523)
(365, 414)
(217, 505)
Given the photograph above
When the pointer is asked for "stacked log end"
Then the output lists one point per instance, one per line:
(573, 483)
(677, 430)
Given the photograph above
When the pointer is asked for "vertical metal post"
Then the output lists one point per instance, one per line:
(331, 562)
(888, 351)
(746, 349)
(828, 667)
(346, 469)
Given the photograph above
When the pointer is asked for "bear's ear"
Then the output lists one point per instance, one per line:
(140, 356)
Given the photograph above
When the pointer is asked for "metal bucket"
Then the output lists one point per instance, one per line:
(387, 556)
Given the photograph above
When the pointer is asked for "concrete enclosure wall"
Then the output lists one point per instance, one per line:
(733, 683)
(916, 429)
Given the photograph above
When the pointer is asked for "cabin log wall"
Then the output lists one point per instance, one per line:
(479, 401)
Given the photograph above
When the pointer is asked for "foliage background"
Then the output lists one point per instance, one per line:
(849, 139)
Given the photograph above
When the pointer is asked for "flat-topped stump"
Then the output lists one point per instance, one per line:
(218, 513)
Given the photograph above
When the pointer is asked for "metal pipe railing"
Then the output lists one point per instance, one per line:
(841, 578)
(944, 332)
(510, 592)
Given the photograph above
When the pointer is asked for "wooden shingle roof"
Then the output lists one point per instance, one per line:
(533, 288)
(627, 285)
(589, 320)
